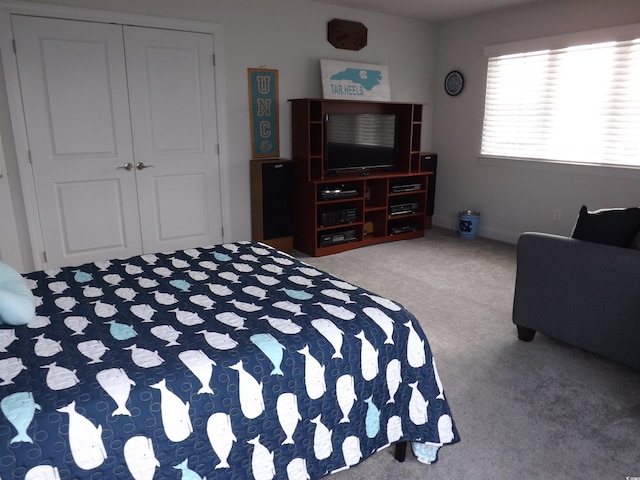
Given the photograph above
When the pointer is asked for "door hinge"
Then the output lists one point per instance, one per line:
(213, 59)
(218, 148)
(30, 159)
(44, 255)
(222, 231)
(13, 41)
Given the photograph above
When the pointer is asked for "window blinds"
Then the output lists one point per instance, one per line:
(575, 104)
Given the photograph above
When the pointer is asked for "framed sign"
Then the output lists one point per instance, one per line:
(263, 100)
(354, 81)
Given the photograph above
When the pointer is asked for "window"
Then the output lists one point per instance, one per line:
(576, 103)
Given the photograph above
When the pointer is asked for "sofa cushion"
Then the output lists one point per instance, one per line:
(616, 226)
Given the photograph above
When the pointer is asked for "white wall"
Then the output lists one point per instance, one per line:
(513, 197)
(290, 36)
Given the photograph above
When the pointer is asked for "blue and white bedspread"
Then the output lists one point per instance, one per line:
(235, 361)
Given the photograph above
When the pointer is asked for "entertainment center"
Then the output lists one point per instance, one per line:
(359, 174)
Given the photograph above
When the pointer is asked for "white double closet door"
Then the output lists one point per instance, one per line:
(122, 137)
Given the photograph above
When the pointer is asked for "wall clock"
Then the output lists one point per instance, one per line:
(453, 83)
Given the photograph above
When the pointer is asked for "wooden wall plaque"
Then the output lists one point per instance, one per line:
(346, 34)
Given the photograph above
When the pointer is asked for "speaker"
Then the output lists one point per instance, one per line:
(272, 202)
(429, 163)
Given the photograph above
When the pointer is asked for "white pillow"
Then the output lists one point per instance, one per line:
(17, 304)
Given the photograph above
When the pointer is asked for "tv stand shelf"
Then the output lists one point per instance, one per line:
(338, 211)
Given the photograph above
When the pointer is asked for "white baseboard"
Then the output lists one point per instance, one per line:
(485, 231)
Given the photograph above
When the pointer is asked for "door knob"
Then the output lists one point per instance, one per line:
(142, 166)
(126, 166)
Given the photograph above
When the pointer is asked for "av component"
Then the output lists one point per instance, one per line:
(403, 208)
(334, 238)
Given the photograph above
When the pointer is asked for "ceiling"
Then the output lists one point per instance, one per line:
(428, 10)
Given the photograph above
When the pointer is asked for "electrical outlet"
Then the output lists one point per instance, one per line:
(557, 215)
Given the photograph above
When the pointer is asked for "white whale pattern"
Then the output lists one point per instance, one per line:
(43, 472)
(85, 439)
(382, 320)
(275, 369)
(322, 446)
(297, 469)
(288, 415)
(60, 378)
(250, 391)
(140, 457)
(394, 378)
(368, 357)
(175, 413)
(7, 337)
(143, 357)
(221, 437)
(345, 391)
(46, 347)
(331, 332)
(262, 465)
(201, 366)
(93, 350)
(416, 354)
(313, 375)
(118, 385)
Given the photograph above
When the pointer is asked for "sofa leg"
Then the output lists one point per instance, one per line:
(401, 451)
(525, 334)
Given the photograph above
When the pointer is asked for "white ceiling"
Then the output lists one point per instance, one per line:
(429, 10)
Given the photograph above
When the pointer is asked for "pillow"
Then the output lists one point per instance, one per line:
(616, 226)
(17, 304)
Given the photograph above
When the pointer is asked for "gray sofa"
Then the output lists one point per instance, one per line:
(583, 293)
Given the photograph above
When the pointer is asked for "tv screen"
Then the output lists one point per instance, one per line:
(360, 141)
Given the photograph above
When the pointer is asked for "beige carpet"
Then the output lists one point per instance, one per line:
(539, 410)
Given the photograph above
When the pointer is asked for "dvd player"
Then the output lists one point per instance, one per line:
(409, 187)
(403, 208)
(334, 238)
(336, 192)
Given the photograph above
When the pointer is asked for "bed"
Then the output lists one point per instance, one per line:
(233, 361)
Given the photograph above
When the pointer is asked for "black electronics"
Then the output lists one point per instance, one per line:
(335, 192)
(335, 238)
(360, 141)
(403, 229)
(403, 208)
(408, 187)
(429, 163)
(337, 217)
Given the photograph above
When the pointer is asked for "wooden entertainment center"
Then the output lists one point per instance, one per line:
(338, 211)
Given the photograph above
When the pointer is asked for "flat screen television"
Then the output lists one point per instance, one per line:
(360, 141)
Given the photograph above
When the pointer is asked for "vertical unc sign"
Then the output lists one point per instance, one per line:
(263, 97)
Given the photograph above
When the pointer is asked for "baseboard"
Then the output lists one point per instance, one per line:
(485, 231)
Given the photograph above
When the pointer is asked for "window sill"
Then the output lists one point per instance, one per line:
(618, 171)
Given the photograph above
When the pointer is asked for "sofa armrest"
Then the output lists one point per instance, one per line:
(583, 293)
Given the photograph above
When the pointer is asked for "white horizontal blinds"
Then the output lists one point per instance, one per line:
(576, 104)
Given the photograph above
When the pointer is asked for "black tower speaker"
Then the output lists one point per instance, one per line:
(272, 202)
(429, 163)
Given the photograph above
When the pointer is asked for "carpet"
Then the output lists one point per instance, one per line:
(539, 410)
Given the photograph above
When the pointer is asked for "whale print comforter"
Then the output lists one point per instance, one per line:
(234, 361)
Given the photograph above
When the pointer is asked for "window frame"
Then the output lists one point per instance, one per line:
(612, 34)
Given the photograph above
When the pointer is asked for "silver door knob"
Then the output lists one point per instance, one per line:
(126, 166)
(142, 166)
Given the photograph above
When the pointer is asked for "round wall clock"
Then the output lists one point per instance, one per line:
(453, 83)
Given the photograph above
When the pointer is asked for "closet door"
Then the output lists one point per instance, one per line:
(74, 91)
(172, 98)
